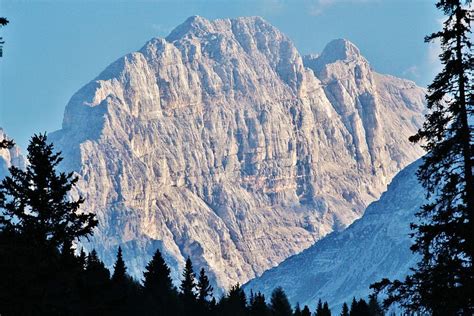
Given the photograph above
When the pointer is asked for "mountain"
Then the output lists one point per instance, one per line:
(343, 264)
(222, 143)
(10, 157)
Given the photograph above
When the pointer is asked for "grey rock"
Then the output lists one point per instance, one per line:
(218, 143)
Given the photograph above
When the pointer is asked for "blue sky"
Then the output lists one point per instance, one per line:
(55, 47)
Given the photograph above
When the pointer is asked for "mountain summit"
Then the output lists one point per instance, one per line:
(222, 144)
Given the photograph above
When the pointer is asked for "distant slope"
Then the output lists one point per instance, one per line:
(344, 264)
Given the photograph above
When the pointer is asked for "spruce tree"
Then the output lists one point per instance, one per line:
(442, 282)
(159, 294)
(204, 288)
(306, 311)
(234, 303)
(257, 305)
(279, 304)
(36, 202)
(119, 275)
(297, 311)
(345, 310)
(374, 306)
(188, 285)
(319, 308)
(353, 310)
(326, 310)
(157, 280)
(38, 223)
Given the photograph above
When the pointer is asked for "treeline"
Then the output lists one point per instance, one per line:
(40, 273)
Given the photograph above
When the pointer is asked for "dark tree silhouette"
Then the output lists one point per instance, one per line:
(38, 223)
(345, 310)
(257, 305)
(374, 306)
(326, 310)
(306, 311)
(157, 280)
(442, 282)
(120, 270)
(188, 285)
(36, 204)
(279, 304)
(234, 303)
(159, 293)
(204, 288)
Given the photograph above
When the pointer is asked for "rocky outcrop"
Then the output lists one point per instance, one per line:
(344, 264)
(10, 157)
(221, 143)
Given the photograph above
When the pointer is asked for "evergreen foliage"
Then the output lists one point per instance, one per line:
(120, 270)
(279, 304)
(306, 311)
(345, 310)
(257, 305)
(442, 282)
(234, 303)
(204, 287)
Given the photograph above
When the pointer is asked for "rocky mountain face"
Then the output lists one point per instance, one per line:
(10, 157)
(220, 142)
(344, 264)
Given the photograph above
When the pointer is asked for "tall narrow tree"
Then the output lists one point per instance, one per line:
(119, 275)
(188, 285)
(279, 304)
(204, 288)
(157, 280)
(442, 282)
(38, 223)
(345, 310)
(36, 202)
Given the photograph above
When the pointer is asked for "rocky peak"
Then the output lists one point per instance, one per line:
(217, 142)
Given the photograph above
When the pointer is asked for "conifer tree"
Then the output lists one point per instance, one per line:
(374, 306)
(157, 280)
(279, 304)
(326, 310)
(119, 275)
(257, 305)
(442, 282)
(319, 308)
(234, 303)
(306, 311)
(38, 223)
(188, 285)
(160, 296)
(36, 203)
(96, 284)
(345, 310)
(204, 288)
(297, 311)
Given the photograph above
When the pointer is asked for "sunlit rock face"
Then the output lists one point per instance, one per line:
(10, 157)
(220, 142)
(344, 264)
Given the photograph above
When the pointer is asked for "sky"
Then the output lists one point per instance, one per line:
(53, 48)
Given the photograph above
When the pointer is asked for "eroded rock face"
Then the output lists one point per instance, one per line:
(344, 264)
(10, 157)
(218, 143)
